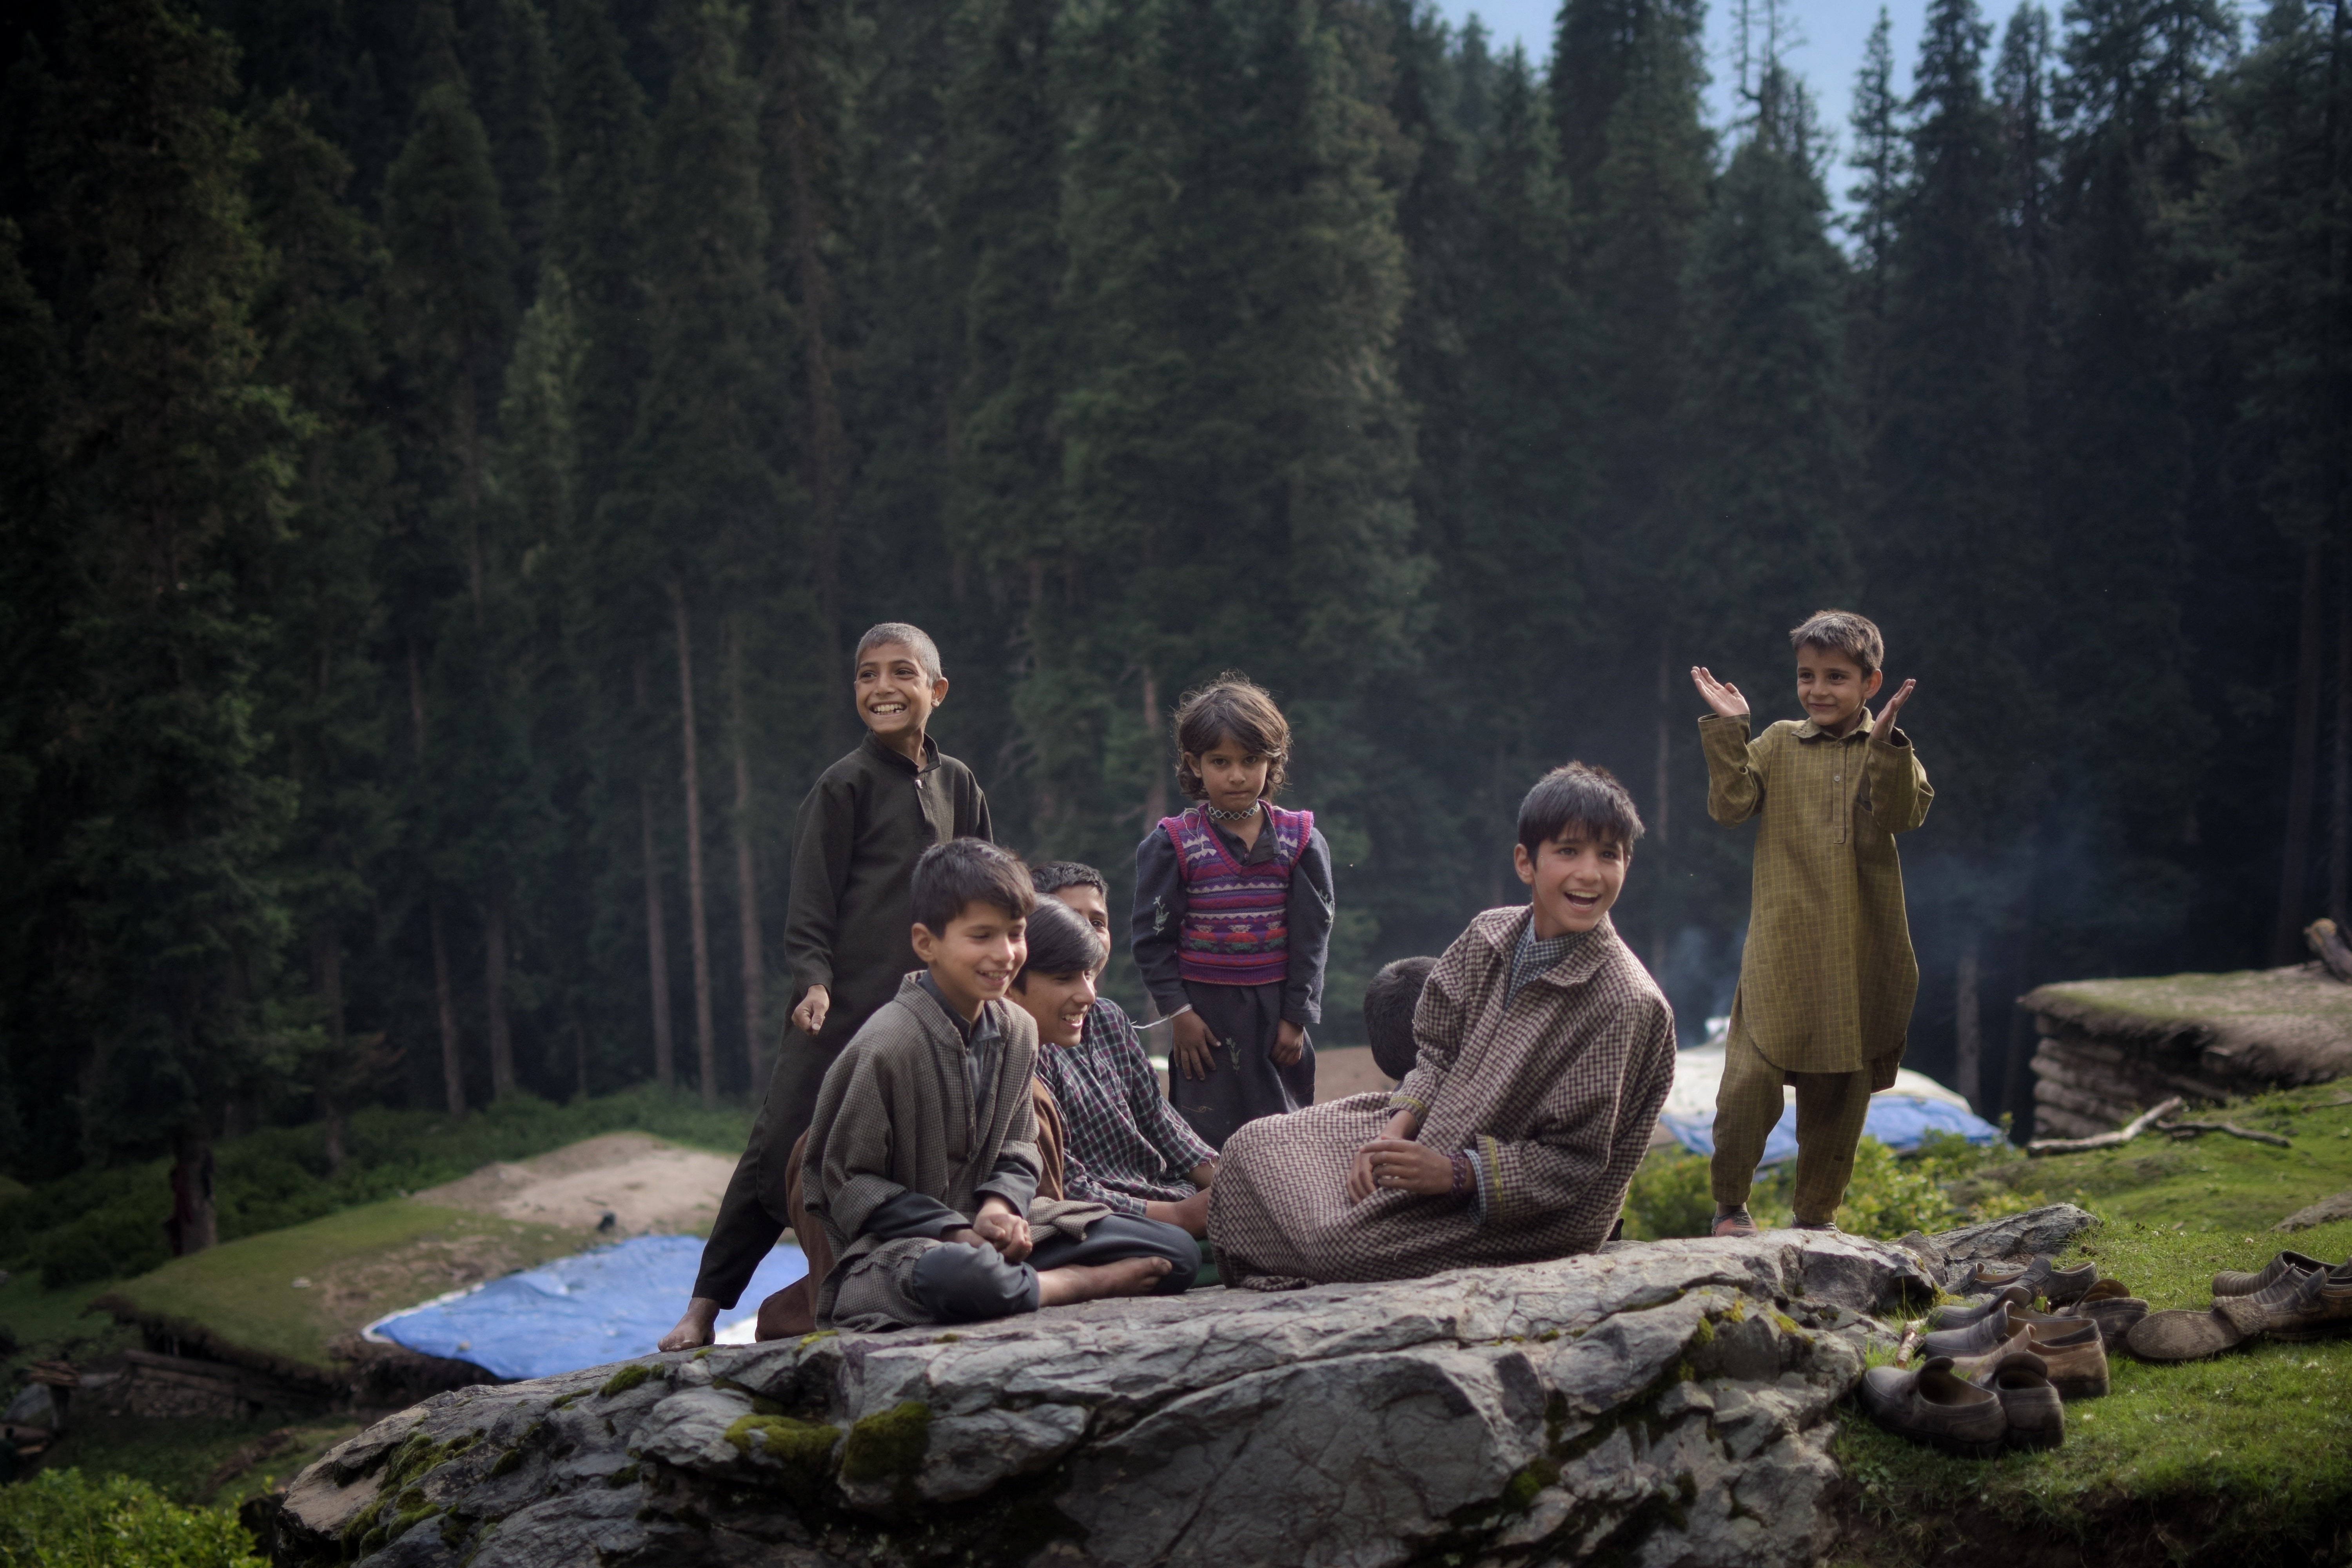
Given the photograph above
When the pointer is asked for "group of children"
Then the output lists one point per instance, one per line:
(960, 1126)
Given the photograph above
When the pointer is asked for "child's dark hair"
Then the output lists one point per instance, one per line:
(1060, 943)
(1841, 631)
(1055, 875)
(965, 872)
(1389, 1003)
(1230, 708)
(927, 652)
(1578, 801)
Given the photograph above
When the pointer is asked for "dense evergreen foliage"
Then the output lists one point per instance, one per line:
(449, 448)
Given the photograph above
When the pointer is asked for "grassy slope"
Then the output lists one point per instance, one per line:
(2251, 1450)
(360, 1264)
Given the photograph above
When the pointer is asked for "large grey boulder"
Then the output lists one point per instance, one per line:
(1656, 1403)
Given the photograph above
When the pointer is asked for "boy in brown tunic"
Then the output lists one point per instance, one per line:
(1545, 1051)
(1828, 978)
(862, 828)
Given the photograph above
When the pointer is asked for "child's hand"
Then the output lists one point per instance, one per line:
(809, 1016)
(1289, 1044)
(1002, 1229)
(1895, 705)
(1194, 1047)
(1720, 695)
(1402, 1165)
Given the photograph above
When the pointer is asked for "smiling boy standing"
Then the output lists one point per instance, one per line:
(862, 828)
(1828, 978)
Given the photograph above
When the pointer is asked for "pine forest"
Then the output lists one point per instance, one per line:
(451, 448)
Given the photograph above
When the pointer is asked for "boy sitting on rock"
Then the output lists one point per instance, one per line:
(922, 1161)
(1545, 1052)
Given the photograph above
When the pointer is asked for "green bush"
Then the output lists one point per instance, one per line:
(1670, 1196)
(57, 1519)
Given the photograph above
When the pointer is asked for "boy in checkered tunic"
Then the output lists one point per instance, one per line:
(1544, 1052)
(1828, 978)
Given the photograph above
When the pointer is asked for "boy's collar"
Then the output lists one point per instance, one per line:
(930, 753)
(1583, 962)
(1809, 730)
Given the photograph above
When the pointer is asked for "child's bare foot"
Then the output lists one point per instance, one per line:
(695, 1329)
(1092, 1281)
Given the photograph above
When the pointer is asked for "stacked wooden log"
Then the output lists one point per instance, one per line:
(2111, 1048)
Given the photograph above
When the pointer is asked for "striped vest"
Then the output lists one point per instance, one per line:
(1236, 928)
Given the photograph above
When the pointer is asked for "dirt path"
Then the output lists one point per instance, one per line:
(649, 1187)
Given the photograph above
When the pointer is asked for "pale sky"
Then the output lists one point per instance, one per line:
(1832, 34)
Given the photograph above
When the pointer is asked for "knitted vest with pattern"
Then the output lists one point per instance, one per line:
(1236, 928)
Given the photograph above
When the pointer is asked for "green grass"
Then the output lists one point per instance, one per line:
(2250, 1451)
(360, 1264)
(99, 1224)
(179, 1458)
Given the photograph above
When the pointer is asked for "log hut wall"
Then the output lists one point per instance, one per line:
(2085, 1084)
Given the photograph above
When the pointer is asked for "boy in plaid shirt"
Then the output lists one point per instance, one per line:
(1128, 1148)
(1828, 978)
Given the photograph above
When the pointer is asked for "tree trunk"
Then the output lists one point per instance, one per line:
(1155, 794)
(2339, 803)
(656, 927)
(579, 1050)
(1659, 913)
(2286, 938)
(194, 1225)
(747, 880)
(1967, 1026)
(327, 972)
(453, 1061)
(494, 993)
(697, 923)
(788, 84)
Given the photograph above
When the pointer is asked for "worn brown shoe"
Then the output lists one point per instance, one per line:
(1960, 1314)
(2322, 1307)
(1989, 1331)
(2037, 1416)
(2191, 1335)
(1984, 1278)
(1932, 1405)
(2245, 1282)
(2065, 1285)
(2075, 1357)
(2075, 1360)
(2114, 1314)
(1734, 1222)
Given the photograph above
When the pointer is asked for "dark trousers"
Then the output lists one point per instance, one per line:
(753, 1212)
(959, 1284)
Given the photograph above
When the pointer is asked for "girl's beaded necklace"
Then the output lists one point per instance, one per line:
(1219, 814)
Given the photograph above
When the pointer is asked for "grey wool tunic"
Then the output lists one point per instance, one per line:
(1553, 1089)
(896, 1124)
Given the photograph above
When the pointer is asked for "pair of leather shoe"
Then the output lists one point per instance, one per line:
(2074, 1352)
(1961, 1314)
(2301, 1303)
(2010, 1400)
(2111, 1305)
(2043, 1278)
(2245, 1282)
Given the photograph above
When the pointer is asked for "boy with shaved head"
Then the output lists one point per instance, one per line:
(847, 931)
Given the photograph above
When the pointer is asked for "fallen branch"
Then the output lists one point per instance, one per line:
(2190, 1130)
(2172, 1106)
(1911, 1337)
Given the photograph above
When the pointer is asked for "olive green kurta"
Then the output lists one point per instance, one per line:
(1828, 979)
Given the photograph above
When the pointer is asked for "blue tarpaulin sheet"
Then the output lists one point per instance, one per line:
(1897, 1120)
(603, 1306)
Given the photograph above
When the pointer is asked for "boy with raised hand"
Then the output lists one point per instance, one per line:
(862, 828)
(923, 1159)
(1828, 978)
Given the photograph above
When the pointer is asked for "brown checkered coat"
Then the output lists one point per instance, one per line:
(1555, 1095)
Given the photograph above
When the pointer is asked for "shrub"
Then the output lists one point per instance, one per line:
(1670, 1196)
(58, 1519)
